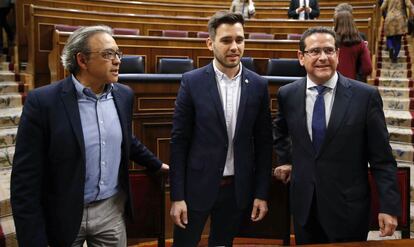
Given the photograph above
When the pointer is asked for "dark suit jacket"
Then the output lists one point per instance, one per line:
(294, 4)
(199, 140)
(356, 135)
(48, 177)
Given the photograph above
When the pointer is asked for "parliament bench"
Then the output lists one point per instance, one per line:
(43, 20)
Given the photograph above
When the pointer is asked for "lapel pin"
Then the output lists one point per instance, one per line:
(246, 81)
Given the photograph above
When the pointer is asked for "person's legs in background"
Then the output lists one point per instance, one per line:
(5, 25)
(397, 47)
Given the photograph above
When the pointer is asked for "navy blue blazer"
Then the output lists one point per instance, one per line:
(199, 140)
(294, 4)
(338, 174)
(48, 176)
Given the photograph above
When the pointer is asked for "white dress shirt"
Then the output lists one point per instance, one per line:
(229, 89)
(328, 97)
(303, 3)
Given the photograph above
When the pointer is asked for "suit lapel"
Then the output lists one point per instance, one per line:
(342, 98)
(70, 102)
(302, 127)
(215, 95)
(120, 104)
(244, 95)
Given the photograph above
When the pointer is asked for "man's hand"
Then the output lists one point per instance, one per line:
(283, 173)
(298, 10)
(308, 9)
(164, 167)
(259, 209)
(387, 224)
(178, 213)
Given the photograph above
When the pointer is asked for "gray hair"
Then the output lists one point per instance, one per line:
(77, 42)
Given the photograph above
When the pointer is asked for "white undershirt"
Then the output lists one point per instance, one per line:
(301, 3)
(328, 97)
(229, 90)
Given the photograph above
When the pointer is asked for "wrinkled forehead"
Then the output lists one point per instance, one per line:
(319, 40)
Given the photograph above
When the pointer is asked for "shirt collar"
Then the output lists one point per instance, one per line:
(331, 83)
(220, 75)
(84, 92)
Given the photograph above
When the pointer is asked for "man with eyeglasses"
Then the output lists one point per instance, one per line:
(327, 129)
(70, 171)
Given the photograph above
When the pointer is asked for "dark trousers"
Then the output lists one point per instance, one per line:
(4, 24)
(313, 233)
(394, 43)
(224, 222)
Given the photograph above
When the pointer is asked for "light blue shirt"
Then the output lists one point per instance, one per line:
(103, 138)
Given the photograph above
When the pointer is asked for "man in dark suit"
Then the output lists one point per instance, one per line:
(221, 142)
(70, 171)
(329, 128)
(303, 9)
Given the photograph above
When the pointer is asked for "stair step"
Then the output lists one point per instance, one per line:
(9, 232)
(403, 53)
(394, 66)
(391, 82)
(5, 207)
(402, 151)
(8, 137)
(12, 87)
(5, 66)
(7, 76)
(11, 100)
(399, 118)
(10, 117)
(396, 92)
(400, 103)
(391, 73)
(386, 59)
(6, 157)
(401, 134)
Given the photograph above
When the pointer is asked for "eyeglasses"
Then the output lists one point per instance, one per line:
(316, 52)
(109, 54)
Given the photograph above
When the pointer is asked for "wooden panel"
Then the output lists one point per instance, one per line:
(43, 19)
(156, 47)
(147, 195)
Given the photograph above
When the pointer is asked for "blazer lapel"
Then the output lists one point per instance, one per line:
(244, 95)
(215, 95)
(70, 102)
(343, 96)
(302, 127)
(120, 104)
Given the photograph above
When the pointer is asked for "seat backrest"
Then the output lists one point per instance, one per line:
(66, 28)
(260, 36)
(175, 65)
(248, 62)
(174, 33)
(285, 67)
(403, 180)
(126, 31)
(132, 65)
(202, 34)
(294, 36)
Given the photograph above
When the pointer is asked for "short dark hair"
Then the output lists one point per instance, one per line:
(313, 30)
(223, 17)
